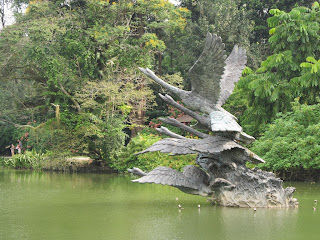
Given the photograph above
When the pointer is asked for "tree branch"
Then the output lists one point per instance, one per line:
(71, 98)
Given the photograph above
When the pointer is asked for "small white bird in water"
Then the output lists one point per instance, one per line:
(315, 201)
(314, 209)
(177, 199)
(199, 206)
(180, 207)
(254, 209)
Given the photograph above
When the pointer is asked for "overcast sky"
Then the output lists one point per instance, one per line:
(8, 16)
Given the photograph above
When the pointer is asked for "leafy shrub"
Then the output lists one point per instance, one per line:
(30, 160)
(54, 161)
(292, 142)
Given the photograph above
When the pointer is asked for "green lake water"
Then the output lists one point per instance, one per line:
(62, 206)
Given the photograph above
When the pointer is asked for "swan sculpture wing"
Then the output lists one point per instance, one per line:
(235, 64)
(193, 180)
(213, 76)
(210, 145)
(206, 73)
(168, 176)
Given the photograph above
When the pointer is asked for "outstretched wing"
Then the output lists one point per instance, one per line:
(215, 144)
(235, 64)
(168, 176)
(206, 73)
(174, 146)
(210, 145)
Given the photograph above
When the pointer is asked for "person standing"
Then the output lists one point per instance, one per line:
(19, 147)
(12, 148)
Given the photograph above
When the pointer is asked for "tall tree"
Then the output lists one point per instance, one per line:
(60, 47)
(258, 11)
(271, 89)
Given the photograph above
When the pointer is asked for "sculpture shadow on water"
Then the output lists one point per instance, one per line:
(221, 173)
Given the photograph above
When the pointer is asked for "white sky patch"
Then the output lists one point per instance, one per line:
(9, 18)
(175, 2)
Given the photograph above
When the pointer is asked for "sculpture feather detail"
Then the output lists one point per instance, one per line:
(210, 145)
(235, 64)
(207, 71)
(193, 180)
(221, 122)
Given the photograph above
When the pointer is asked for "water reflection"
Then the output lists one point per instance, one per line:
(41, 205)
(263, 223)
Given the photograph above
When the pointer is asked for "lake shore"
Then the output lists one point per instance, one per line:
(81, 164)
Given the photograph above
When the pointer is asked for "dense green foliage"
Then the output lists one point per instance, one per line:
(70, 84)
(259, 11)
(74, 69)
(291, 143)
(271, 88)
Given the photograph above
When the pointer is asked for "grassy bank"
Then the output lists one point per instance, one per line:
(53, 162)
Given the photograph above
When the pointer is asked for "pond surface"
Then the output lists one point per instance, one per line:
(62, 206)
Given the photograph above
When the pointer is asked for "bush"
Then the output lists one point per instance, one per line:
(292, 142)
(54, 161)
(82, 134)
(29, 160)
